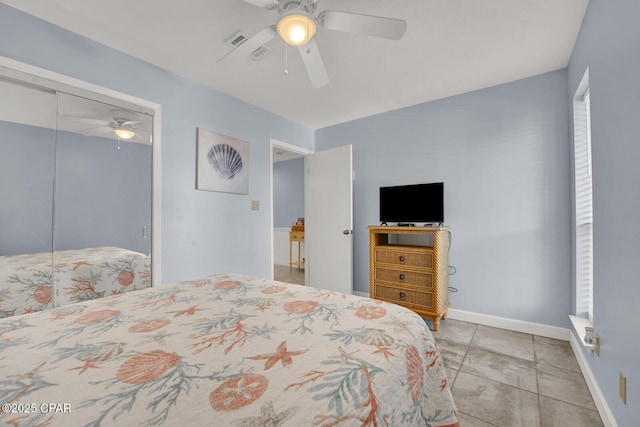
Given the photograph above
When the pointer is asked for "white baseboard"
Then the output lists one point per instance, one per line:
(361, 294)
(598, 398)
(511, 324)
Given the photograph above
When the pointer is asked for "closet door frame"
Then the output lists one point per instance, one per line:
(22, 72)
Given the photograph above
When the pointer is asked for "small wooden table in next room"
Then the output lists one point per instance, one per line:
(295, 236)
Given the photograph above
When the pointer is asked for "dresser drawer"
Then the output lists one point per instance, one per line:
(296, 236)
(404, 296)
(424, 280)
(404, 257)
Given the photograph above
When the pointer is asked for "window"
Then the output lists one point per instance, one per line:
(583, 192)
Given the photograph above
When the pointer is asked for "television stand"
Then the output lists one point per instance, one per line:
(413, 276)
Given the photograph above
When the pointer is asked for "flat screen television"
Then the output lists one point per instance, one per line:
(412, 203)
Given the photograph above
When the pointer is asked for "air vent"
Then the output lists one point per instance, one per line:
(235, 39)
(259, 53)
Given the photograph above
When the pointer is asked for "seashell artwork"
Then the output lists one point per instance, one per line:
(222, 163)
(225, 159)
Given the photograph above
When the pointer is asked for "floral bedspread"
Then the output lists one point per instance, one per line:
(35, 282)
(226, 350)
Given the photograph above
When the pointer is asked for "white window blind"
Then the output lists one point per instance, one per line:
(583, 202)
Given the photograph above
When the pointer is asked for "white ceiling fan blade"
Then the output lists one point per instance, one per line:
(377, 26)
(130, 123)
(313, 63)
(244, 50)
(96, 131)
(265, 4)
(87, 120)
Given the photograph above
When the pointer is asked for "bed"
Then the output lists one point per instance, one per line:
(225, 350)
(35, 282)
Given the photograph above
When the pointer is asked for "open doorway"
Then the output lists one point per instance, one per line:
(287, 212)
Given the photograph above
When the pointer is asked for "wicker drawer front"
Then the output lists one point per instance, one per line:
(424, 280)
(404, 296)
(415, 259)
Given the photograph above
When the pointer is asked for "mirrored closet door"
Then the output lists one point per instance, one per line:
(75, 197)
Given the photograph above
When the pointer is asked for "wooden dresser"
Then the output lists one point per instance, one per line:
(414, 275)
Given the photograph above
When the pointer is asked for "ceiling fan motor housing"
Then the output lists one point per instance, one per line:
(288, 6)
(121, 117)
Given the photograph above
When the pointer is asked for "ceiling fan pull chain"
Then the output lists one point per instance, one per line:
(286, 60)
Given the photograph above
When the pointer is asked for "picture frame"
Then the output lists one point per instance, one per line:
(222, 163)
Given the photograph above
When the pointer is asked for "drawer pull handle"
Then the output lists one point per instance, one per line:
(401, 258)
(401, 276)
(402, 296)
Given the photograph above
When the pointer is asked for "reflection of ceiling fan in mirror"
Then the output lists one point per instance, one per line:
(125, 125)
(297, 27)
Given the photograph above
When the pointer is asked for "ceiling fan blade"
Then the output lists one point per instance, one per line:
(313, 63)
(377, 26)
(265, 4)
(88, 120)
(94, 131)
(244, 50)
(130, 123)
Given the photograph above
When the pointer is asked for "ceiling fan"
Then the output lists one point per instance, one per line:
(298, 25)
(124, 124)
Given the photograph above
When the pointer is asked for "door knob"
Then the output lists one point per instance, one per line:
(346, 232)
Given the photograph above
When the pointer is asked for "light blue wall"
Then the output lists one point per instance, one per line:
(503, 155)
(202, 232)
(288, 192)
(609, 44)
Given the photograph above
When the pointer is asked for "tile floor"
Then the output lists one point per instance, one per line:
(506, 378)
(283, 274)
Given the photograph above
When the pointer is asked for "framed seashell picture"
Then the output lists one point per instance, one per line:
(222, 163)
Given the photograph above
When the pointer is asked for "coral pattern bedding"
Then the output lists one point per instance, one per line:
(29, 283)
(226, 350)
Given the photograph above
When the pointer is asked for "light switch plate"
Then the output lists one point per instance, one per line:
(623, 388)
(255, 205)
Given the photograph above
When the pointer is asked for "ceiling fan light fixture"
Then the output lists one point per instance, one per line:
(124, 133)
(296, 29)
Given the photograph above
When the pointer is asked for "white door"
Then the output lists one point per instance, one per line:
(329, 220)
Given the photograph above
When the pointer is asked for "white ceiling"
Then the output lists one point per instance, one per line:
(450, 47)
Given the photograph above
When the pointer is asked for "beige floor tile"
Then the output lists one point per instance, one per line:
(282, 273)
(556, 413)
(456, 331)
(499, 367)
(452, 353)
(567, 386)
(555, 353)
(494, 402)
(513, 344)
